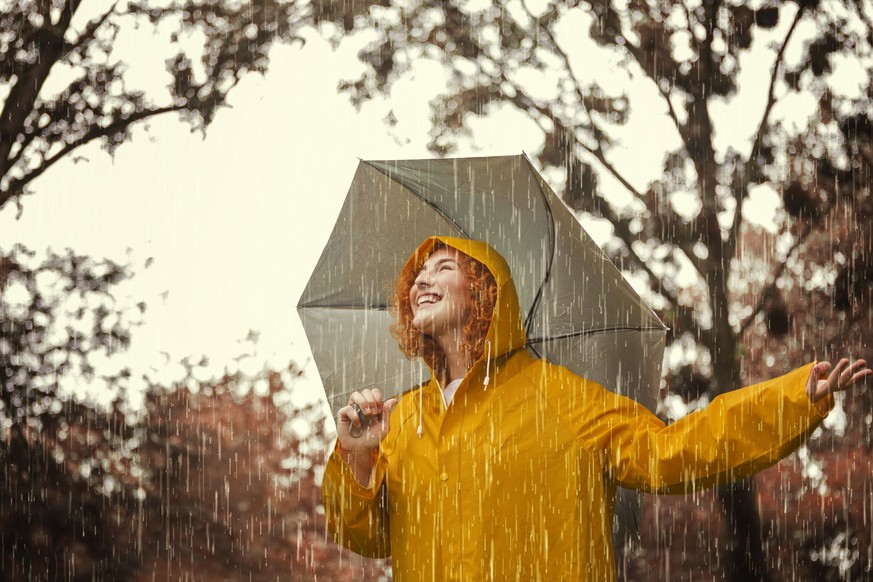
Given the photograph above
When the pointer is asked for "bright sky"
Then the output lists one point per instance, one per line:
(235, 222)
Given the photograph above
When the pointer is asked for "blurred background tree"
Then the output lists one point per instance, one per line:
(205, 480)
(742, 303)
(64, 79)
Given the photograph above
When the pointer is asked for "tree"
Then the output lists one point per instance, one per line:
(56, 316)
(64, 75)
(207, 480)
(501, 56)
(229, 486)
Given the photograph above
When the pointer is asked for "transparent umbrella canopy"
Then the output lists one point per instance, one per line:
(579, 311)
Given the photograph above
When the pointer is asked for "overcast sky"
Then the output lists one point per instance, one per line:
(234, 222)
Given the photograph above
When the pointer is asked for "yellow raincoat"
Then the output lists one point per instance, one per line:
(516, 481)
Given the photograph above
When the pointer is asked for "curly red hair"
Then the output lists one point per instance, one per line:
(480, 302)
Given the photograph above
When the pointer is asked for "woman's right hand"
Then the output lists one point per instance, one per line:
(355, 436)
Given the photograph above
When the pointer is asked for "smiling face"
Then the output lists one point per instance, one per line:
(438, 297)
(457, 296)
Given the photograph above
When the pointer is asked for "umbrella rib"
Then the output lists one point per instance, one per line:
(528, 324)
(587, 332)
(438, 210)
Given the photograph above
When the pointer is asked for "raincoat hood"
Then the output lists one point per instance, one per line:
(506, 332)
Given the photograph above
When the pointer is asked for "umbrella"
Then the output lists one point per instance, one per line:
(579, 311)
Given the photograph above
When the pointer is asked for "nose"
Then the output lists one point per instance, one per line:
(423, 279)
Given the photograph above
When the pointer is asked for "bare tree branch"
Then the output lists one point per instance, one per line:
(599, 136)
(23, 95)
(525, 102)
(700, 141)
(771, 287)
(17, 185)
(637, 53)
(622, 227)
(762, 126)
(91, 29)
(686, 315)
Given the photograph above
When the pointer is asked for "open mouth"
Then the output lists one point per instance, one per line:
(427, 299)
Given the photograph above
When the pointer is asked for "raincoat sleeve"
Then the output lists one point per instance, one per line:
(357, 516)
(736, 435)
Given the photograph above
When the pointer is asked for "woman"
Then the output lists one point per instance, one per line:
(503, 466)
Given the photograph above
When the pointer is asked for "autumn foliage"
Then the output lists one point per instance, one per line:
(203, 480)
(220, 483)
(217, 484)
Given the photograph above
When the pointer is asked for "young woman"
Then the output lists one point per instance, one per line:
(504, 466)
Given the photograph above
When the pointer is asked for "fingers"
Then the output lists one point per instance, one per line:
(382, 421)
(814, 381)
(835, 378)
(389, 405)
(355, 412)
(822, 368)
(857, 372)
(363, 408)
(370, 401)
(842, 376)
(348, 415)
(847, 373)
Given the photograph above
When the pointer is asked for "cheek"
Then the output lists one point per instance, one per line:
(460, 300)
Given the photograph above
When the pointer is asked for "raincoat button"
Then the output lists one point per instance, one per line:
(444, 477)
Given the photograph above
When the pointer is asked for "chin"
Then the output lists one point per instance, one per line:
(423, 329)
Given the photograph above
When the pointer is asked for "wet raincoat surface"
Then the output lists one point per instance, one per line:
(516, 480)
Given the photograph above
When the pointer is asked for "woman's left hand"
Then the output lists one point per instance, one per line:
(842, 376)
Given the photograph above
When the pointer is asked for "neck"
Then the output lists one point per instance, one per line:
(456, 362)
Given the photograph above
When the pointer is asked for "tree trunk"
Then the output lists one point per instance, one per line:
(746, 559)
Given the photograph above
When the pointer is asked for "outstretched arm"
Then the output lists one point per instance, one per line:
(738, 434)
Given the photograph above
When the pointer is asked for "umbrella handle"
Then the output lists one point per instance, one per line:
(356, 433)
